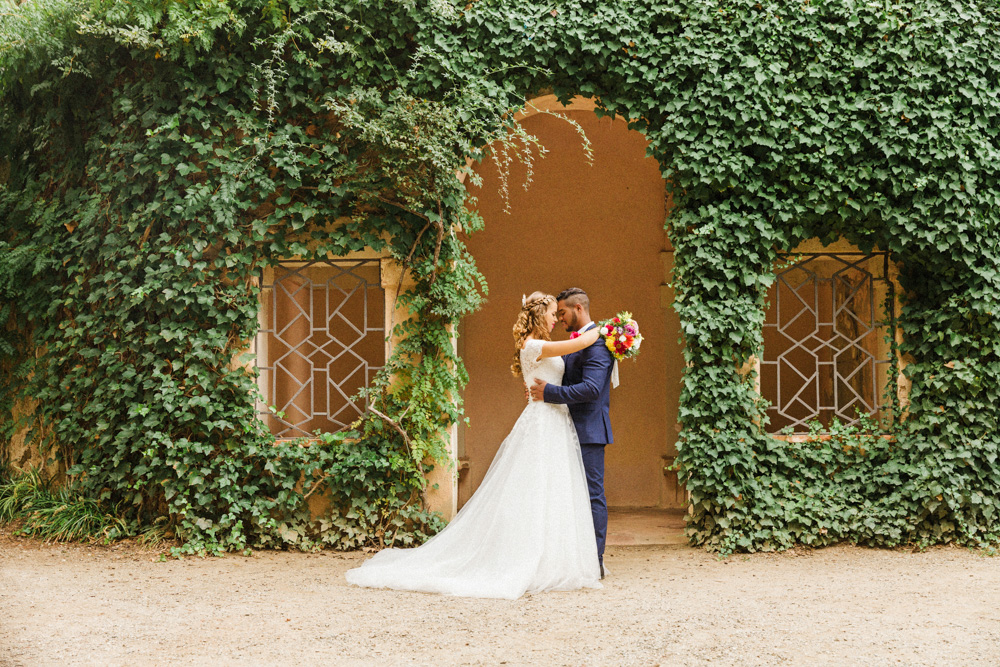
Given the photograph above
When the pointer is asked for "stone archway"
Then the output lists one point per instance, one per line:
(597, 227)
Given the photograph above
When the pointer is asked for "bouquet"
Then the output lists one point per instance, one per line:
(621, 336)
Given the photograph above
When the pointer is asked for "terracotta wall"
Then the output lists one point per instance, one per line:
(599, 228)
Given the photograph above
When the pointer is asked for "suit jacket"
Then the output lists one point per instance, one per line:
(587, 391)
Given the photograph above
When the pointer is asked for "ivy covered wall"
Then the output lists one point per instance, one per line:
(160, 153)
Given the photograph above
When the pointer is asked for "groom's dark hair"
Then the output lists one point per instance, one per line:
(574, 296)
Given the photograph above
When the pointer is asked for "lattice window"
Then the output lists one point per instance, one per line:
(825, 352)
(322, 338)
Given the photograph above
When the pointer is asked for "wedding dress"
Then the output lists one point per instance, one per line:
(527, 529)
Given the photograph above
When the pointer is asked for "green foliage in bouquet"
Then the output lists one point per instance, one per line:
(621, 336)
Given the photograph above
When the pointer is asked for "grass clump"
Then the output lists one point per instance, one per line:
(36, 509)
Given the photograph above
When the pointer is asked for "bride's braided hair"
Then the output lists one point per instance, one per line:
(530, 322)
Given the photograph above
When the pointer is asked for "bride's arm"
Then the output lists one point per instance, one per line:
(560, 348)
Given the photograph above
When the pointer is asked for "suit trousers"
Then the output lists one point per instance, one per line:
(593, 465)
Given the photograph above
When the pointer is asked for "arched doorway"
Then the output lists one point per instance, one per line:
(597, 227)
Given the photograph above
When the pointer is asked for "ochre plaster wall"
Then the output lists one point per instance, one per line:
(20, 453)
(597, 227)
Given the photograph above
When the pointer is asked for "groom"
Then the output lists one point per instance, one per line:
(587, 390)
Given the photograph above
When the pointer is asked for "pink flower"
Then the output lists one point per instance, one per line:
(575, 334)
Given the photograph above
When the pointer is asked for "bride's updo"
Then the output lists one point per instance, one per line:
(530, 322)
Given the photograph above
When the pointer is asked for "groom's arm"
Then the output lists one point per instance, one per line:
(597, 364)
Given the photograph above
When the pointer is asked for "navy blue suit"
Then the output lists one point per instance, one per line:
(587, 391)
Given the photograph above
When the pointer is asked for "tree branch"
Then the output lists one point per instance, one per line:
(440, 238)
(402, 432)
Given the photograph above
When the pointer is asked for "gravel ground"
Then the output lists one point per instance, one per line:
(80, 605)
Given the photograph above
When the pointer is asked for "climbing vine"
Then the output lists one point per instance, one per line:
(157, 155)
(172, 152)
(871, 123)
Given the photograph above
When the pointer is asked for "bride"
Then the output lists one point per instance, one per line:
(528, 528)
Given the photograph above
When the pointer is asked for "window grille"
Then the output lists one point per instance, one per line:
(322, 339)
(825, 353)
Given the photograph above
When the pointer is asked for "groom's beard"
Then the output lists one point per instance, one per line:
(574, 323)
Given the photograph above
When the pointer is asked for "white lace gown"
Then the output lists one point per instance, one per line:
(527, 529)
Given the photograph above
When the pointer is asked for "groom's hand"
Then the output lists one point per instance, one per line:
(538, 390)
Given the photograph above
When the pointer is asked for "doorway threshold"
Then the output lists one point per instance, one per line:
(645, 526)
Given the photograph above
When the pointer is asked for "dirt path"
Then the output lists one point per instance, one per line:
(77, 605)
